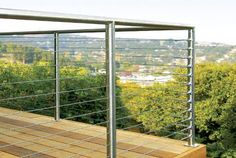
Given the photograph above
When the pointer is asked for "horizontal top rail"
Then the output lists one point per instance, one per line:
(96, 30)
(75, 18)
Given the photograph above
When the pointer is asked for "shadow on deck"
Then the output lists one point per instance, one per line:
(32, 135)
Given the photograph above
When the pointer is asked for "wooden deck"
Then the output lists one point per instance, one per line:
(75, 139)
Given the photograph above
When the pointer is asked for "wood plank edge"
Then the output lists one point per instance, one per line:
(194, 152)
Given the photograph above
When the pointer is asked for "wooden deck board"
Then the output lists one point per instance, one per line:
(4, 155)
(86, 140)
(55, 139)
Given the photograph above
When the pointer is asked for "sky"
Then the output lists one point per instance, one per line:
(214, 19)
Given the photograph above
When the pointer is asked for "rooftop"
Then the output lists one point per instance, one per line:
(24, 134)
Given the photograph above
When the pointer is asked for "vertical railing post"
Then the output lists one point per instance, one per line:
(191, 63)
(111, 104)
(57, 76)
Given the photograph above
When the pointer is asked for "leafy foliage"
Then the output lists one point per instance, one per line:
(30, 87)
(158, 108)
(216, 107)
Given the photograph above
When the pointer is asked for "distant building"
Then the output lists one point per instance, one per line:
(200, 59)
(144, 80)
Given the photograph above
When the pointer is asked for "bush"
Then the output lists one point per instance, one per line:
(38, 92)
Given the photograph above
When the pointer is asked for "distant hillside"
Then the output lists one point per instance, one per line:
(214, 52)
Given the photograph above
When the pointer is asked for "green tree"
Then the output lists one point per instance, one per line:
(160, 105)
(216, 107)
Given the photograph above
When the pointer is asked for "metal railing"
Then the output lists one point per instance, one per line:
(59, 58)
